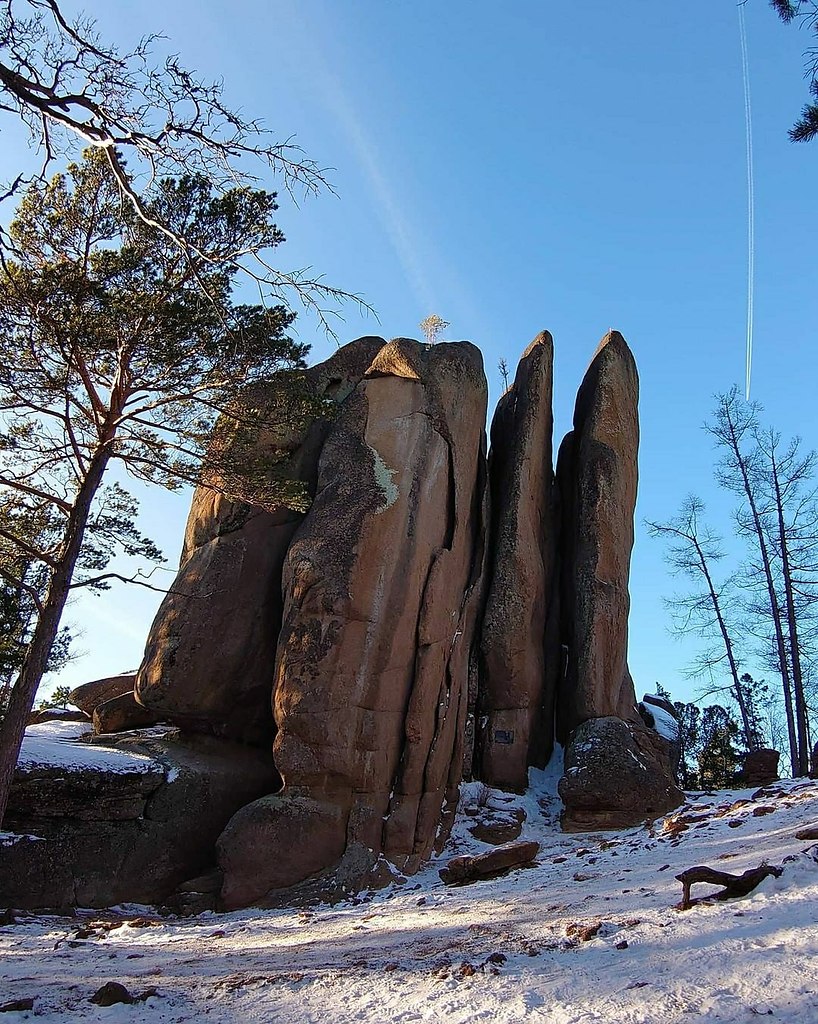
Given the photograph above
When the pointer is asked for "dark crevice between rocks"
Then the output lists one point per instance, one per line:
(401, 765)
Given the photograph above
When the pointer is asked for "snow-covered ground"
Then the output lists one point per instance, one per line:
(57, 745)
(506, 950)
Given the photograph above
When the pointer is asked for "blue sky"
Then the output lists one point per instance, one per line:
(526, 166)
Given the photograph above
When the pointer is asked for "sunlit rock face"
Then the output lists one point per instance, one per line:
(380, 584)
(519, 642)
(210, 654)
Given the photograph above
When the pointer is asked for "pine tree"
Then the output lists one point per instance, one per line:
(121, 349)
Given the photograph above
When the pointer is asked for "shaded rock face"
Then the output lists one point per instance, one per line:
(84, 783)
(130, 825)
(57, 715)
(597, 477)
(380, 585)
(616, 776)
(519, 645)
(121, 713)
(208, 663)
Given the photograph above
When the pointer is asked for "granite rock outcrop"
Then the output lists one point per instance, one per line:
(208, 663)
(618, 771)
(93, 825)
(371, 681)
(519, 643)
(334, 668)
(616, 776)
(597, 473)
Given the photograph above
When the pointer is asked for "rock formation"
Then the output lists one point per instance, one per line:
(89, 696)
(94, 825)
(616, 776)
(519, 645)
(209, 657)
(370, 644)
(759, 768)
(597, 478)
(597, 717)
(372, 666)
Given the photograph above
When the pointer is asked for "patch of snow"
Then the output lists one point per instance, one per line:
(384, 477)
(634, 758)
(664, 723)
(10, 838)
(56, 745)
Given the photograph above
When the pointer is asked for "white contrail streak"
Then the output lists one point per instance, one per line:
(748, 118)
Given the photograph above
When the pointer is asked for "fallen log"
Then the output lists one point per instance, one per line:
(735, 886)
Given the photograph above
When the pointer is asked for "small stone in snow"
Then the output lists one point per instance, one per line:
(111, 992)
(17, 1004)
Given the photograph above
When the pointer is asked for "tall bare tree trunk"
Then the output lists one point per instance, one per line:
(750, 738)
(732, 440)
(34, 667)
(801, 725)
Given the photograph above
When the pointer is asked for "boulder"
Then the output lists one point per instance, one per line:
(470, 868)
(281, 839)
(43, 715)
(497, 828)
(59, 776)
(597, 479)
(210, 654)
(380, 585)
(89, 695)
(100, 824)
(519, 644)
(659, 715)
(616, 776)
(760, 767)
(121, 713)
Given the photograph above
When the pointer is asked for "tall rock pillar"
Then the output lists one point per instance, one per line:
(519, 644)
(616, 770)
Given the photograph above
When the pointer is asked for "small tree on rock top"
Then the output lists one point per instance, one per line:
(432, 325)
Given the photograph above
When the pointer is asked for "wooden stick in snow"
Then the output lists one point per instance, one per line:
(735, 886)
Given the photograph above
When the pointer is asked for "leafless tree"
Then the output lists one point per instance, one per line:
(793, 533)
(738, 470)
(432, 325)
(692, 551)
(152, 118)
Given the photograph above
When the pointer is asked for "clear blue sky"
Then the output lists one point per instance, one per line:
(524, 166)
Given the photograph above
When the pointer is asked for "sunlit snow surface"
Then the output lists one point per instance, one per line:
(58, 745)
(421, 952)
